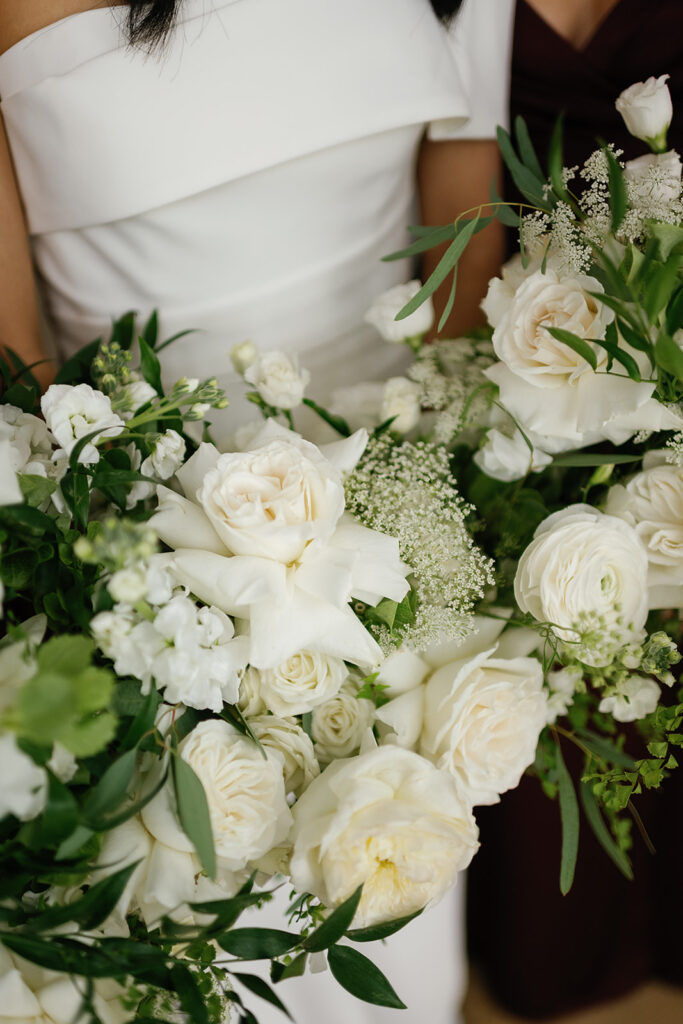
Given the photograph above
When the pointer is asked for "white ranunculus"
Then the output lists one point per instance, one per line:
(652, 503)
(401, 399)
(302, 683)
(286, 736)
(509, 458)
(167, 456)
(647, 110)
(73, 412)
(386, 819)
(278, 379)
(655, 178)
(585, 570)
(243, 355)
(24, 784)
(637, 697)
(339, 725)
(483, 717)
(245, 791)
(382, 313)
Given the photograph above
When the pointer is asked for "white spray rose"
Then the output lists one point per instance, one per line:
(584, 569)
(243, 355)
(339, 725)
(73, 412)
(24, 784)
(509, 458)
(167, 456)
(652, 503)
(286, 736)
(278, 379)
(647, 110)
(654, 178)
(401, 399)
(387, 819)
(382, 313)
(301, 683)
(483, 717)
(636, 697)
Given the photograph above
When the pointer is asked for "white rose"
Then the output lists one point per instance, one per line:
(24, 784)
(509, 458)
(655, 178)
(584, 568)
(647, 110)
(339, 725)
(287, 737)
(637, 697)
(278, 379)
(382, 313)
(243, 355)
(388, 820)
(302, 683)
(249, 700)
(245, 791)
(401, 399)
(483, 717)
(652, 503)
(167, 456)
(73, 412)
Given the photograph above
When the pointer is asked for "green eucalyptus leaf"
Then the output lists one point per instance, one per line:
(636, 339)
(429, 239)
(618, 198)
(579, 345)
(361, 978)
(193, 811)
(604, 749)
(334, 926)
(526, 148)
(588, 459)
(111, 788)
(569, 814)
(92, 909)
(465, 228)
(601, 832)
(669, 356)
(526, 181)
(556, 158)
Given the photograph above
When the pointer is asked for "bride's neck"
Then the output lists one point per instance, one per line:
(576, 21)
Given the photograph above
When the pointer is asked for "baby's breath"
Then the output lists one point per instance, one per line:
(675, 446)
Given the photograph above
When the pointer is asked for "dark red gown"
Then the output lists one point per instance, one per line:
(544, 954)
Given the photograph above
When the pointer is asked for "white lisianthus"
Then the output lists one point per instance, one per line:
(585, 572)
(633, 699)
(647, 110)
(302, 683)
(509, 458)
(652, 503)
(389, 820)
(286, 736)
(278, 379)
(339, 725)
(24, 784)
(401, 400)
(382, 313)
(243, 355)
(73, 412)
(166, 457)
(654, 178)
(483, 717)
(249, 700)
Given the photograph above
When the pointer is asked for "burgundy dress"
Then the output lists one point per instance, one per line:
(542, 953)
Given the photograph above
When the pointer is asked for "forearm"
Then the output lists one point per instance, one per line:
(455, 177)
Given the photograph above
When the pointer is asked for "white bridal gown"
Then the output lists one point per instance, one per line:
(246, 183)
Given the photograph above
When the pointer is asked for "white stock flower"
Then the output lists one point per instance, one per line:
(302, 683)
(339, 725)
(167, 456)
(562, 685)
(509, 458)
(654, 178)
(652, 503)
(286, 736)
(278, 379)
(401, 399)
(10, 491)
(483, 717)
(73, 412)
(243, 355)
(386, 819)
(132, 396)
(584, 570)
(647, 109)
(128, 586)
(635, 698)
(24, 784)
(25, 446)
(382, 313)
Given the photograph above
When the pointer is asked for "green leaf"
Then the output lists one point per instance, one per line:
(36, 489)
(588, 459)
(193, 811)
(569, 813)
(59, 818)
(430, 238)
(361, 978)
(466, 228)
(77, 369)
(257, 943)
(674, 313)
(262, 989)
(74, 843)
(667, 236)
(449, 302)
(669, 356)
(605, 750)
(334, 926)
(66, 655)
(227, 911)
(592, 812)
(144, 720)
(150, 331)
(579, 345)
(618, 354)
(191, 999)
(528, 183)
(75, 490)
(381, 931)
(526, 148)
(336, 422)
(22, 396)
(111, 789)
(636, 339)
(150, 366)
(175, 337)
(296, 968)
(556, 158)
(92, 909)
(618, 199)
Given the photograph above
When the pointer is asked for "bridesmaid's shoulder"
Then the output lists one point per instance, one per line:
(20, 18)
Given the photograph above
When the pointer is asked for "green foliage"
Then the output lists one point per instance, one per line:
(193, 812)
(361, 978)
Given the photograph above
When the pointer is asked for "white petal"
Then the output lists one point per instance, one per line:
(345, 454)
(377, 570)
(404, 717)
(191, 475)
(182, 524)
(232, 584)
(402, 671)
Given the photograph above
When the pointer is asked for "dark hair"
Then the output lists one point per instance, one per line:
(150, 21)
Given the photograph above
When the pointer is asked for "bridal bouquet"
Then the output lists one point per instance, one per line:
(209, 692)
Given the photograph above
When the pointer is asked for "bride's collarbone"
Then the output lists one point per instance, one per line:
(21, 18)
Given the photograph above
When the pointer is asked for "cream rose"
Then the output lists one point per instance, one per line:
(647, 110)
(652, 503)
(339, 725)
(483, 717)
(285, 736)
(388, 820)
(301, 683)
(584, 570)
(278, 379)
(382, 314)
(250, 702)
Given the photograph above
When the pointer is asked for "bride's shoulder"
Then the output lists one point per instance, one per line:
(20, 18)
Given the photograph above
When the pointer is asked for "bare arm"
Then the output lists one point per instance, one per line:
(454, 177)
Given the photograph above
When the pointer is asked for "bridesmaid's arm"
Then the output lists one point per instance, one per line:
(455, 176)
(19, 320)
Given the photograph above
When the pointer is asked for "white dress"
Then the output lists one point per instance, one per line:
(246, 183)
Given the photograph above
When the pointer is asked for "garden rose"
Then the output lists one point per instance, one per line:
(302, 682)
(647, 110)
(278, 379)
(339, 725)
(285, 736)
